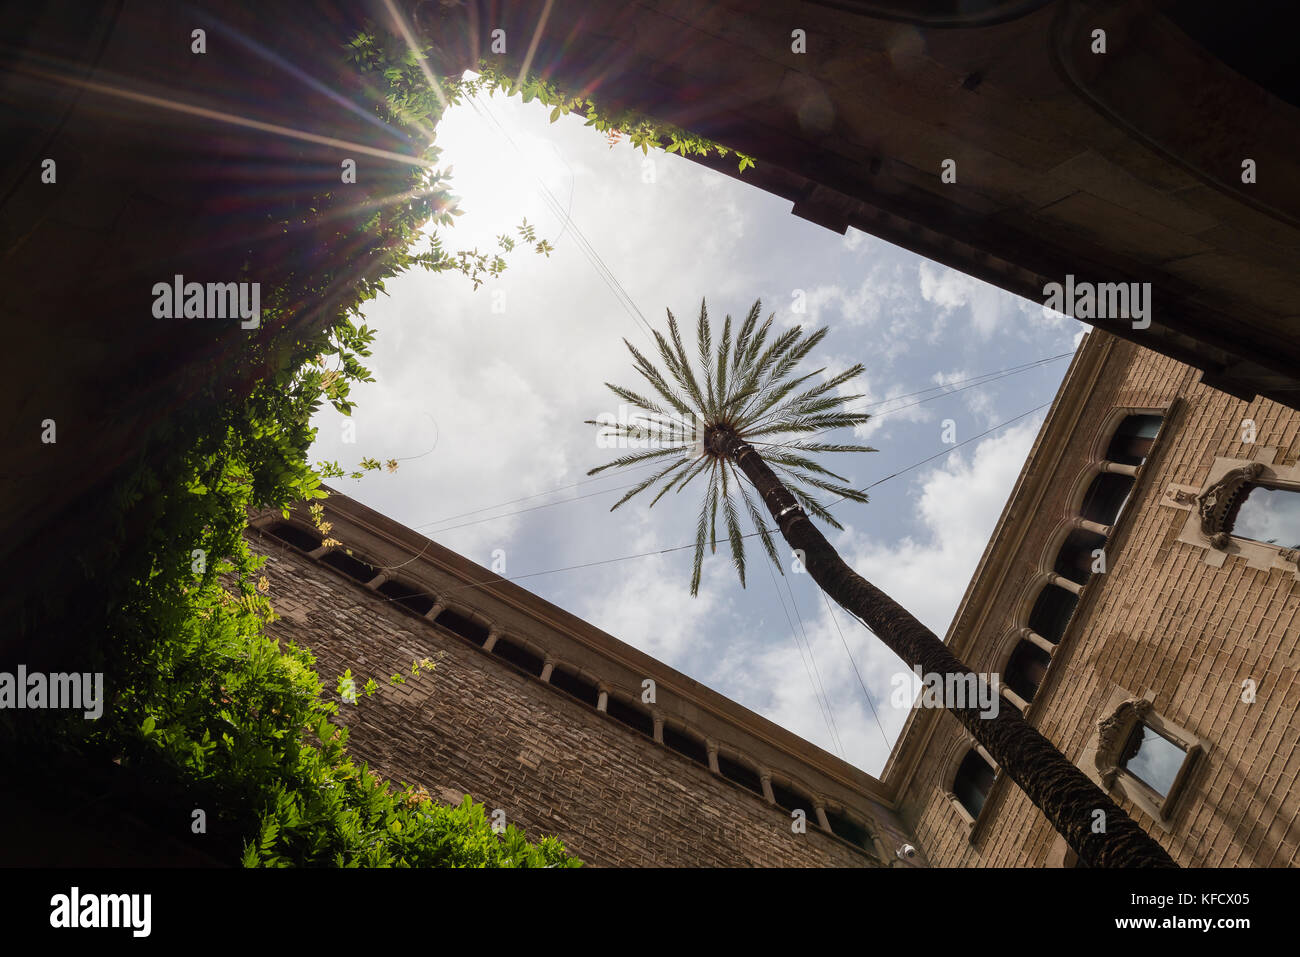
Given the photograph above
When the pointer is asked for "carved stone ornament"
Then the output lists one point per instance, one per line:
(1112, 734)
(1218, 502)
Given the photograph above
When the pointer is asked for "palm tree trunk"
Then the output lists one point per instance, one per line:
(1064, 793)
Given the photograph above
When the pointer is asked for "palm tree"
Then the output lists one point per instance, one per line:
(744, 394)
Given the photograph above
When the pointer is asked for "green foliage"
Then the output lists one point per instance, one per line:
(639, 130)
(204, 697)
(749, 388)
(411, 99)
(202, 704)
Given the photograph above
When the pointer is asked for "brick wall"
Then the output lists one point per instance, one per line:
(477, 726)
(1163, 620)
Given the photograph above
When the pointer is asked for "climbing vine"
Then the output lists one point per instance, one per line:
(203, 707)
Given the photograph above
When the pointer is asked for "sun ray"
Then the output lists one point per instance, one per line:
(221, 116)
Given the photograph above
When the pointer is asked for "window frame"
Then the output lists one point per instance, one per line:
(1203, 528)
(962, 746)
(1122, 713)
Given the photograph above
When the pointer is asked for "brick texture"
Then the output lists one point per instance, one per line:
(1160, 620)
(478, 726)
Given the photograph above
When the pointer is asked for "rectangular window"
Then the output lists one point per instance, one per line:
(1153, 759)
(1269, 515)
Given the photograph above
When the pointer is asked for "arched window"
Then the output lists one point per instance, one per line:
(463, 626)
(686, 745)
(849, 829)
(1052, 611)
(788, 799)
(1132, 441)
(349, 565)
(631, 716)
(1268, 515)
(1106, 497)
(518, 655)
(580, 688)
(740, 774)
(1075, 559)
(409, 596)
(1025, 669)
(299, 538)
(972, 782)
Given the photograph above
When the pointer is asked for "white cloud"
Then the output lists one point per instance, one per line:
(958, 504)
(651, 608)
(509, 391)
(951, 290)
(883, 287)
(978, 401)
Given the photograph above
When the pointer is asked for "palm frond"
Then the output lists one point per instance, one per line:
(747, 381)
(723, 347)
(774, 393)
(704, 338)
(798, 461)
(828, 447)
(733, 529)
(814, 507)
(623, 461)
(701, 530)
(627, 395)
(657, 381)
(642, 486)
(685, 375)
(680, 481)
(843, 491)
(742, 337)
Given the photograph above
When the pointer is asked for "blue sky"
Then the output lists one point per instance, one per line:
(484, 393)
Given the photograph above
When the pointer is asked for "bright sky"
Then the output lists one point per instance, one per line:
(500, 398)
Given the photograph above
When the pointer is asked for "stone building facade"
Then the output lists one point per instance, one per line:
(1120, 600)
(536, 713)
(1188, 637)
(1123, 166)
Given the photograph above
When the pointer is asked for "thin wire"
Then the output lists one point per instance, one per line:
(884, 737)
(677, 548)
(951, 448)
(824, 707)
(589, 251)
(619, 488)
(985, 376)
(553, 203)
(835, 731)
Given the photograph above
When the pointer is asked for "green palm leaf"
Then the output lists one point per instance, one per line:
(748, 386)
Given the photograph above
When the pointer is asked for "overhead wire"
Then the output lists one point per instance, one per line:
(986, 377)
(822, 704)
(597, 262)
(629, 305)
